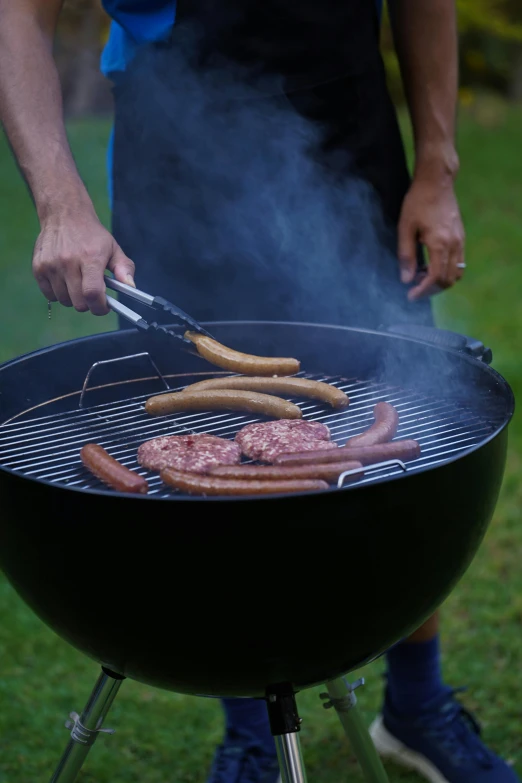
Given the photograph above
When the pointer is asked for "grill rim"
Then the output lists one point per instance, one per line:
(394, 337)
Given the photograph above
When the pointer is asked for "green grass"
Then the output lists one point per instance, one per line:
(24, 324)
(163, 737)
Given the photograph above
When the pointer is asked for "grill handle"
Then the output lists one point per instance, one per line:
(445, 339)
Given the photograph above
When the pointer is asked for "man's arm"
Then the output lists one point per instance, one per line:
(425, 34)
(73, 248)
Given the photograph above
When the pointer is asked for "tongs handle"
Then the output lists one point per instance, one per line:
(156, 302)
(154, 329)
(121, 309)
(134, 293)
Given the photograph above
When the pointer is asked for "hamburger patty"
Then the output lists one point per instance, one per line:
(195, 453)
(266, 440)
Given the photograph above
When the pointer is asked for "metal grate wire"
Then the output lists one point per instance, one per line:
(47, 447)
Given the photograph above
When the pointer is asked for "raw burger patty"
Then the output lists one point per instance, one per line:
(196, 453)
(266, 440)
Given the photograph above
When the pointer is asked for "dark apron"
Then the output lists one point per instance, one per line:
(258, 167)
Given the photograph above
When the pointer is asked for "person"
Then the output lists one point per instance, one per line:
(295, 205)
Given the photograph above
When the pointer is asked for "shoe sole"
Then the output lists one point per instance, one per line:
(388, 747)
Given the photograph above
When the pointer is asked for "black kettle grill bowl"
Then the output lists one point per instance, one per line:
(225, 597)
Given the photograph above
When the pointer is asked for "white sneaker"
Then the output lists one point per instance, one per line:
(388, 747)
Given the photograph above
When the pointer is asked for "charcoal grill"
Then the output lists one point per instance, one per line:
(320, 584)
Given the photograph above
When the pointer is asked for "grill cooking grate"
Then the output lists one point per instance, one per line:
(47, 448)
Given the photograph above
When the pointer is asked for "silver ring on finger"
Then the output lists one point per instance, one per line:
(461, 266)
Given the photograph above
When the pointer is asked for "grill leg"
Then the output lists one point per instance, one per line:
(342, 698)
(87, 726)
(290, 758)
(286, 724)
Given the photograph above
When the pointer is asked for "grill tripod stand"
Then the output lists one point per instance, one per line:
(285, 724)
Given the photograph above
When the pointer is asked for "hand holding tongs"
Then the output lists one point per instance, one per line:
(157, 303)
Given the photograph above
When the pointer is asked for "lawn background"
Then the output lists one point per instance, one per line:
(162, 737)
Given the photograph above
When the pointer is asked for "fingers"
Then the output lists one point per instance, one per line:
(407, 250)
(437, 277)
(446, 262)
(459, 262)
(430, 215)
(66, 282)
(93, 278)
(93, 289)
(66, 288)
(443, 271)
(59, 286)
(426, 286)
(46, 288)
(69, 264)
(74, 283)
(72, 289)
(122, 267)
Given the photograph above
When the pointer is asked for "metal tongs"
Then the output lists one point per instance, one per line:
(157, 303)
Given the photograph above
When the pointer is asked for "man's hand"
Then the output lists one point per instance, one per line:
(70, 257)
(430, 215)
(73, 249)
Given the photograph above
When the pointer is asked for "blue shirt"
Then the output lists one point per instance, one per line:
(136, 22)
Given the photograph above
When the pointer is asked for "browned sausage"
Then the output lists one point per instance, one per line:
(300, 387)
(382, 430)
(281, 472)
(223, 399)
(367, 455)
(235, 361)
(110, 471)
(196, 484)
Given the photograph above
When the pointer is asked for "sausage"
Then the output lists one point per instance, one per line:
(223, 399)
(324, 472)
(367, 455)
(382, 430)
(110, 471)
(300, 387)
(196, 484)
(244, 363)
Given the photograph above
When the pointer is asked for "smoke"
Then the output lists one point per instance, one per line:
(240, 204)
(250, 217)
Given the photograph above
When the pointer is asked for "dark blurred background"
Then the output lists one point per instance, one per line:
(490, 45)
